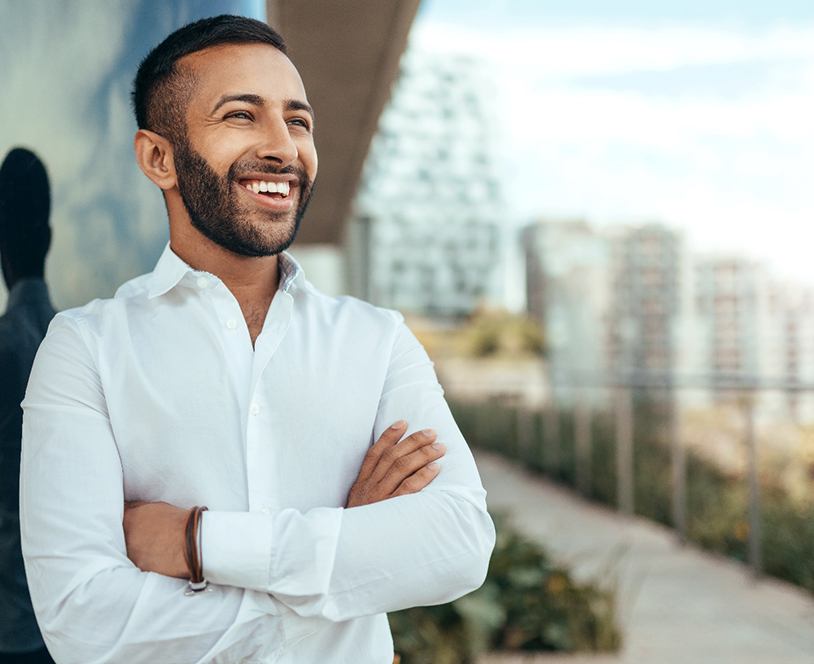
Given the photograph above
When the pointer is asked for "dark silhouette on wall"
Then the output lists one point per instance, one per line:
(25, 237)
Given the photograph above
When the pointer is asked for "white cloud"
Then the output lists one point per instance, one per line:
(734, 172)
(568, 51)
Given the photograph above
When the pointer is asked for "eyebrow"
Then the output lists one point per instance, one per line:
(296, 105)
(257, 100)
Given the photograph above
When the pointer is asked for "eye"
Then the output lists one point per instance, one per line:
(300, 122)
(239, 115)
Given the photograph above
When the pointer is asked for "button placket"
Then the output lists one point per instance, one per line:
(260, 458)
(227, 310)
(226, 317)
(257, 456)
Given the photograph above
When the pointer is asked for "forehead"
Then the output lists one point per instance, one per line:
(246, 68)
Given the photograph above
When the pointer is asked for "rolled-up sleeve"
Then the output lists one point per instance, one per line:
(421, 549)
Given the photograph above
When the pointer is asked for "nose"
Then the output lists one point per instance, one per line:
(277, 144)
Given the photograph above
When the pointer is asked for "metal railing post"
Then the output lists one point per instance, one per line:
(582, 435)
(523, 427)
(624, 450)
(678, 470)
(551, 439)
(755, 530)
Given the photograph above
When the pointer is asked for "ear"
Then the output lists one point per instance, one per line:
(155, 158)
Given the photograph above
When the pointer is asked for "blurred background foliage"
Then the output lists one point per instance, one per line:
(489, 333)
(496, 332)
(528, 603)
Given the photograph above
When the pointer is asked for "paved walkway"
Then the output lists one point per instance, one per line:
(677, 604)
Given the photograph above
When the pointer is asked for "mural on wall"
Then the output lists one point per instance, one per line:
(66, 80)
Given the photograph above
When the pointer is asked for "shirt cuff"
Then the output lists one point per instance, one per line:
(235, 547)
(287, 552)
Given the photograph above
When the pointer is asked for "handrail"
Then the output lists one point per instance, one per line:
(622, 385)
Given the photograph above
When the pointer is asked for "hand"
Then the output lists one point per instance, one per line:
(154, 534)
(394, 469)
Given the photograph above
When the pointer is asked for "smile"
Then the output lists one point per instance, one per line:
(270, 195)
(272, 189)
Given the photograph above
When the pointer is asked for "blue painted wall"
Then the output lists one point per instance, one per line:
(66, 69)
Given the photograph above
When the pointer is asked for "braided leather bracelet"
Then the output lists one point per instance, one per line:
(193, 553)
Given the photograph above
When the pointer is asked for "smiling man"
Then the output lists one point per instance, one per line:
(310, 426)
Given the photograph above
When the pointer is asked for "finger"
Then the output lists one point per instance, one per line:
(407, 446)
(418, 480)
(406, 465)
(389, 437)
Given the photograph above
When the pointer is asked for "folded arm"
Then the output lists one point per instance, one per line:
(94, 605)
(421, 549)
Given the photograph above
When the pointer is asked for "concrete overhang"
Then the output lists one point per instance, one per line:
(348, 56)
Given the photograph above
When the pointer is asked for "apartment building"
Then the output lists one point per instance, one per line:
(425, 234)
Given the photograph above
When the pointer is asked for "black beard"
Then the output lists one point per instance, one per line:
(213, 209)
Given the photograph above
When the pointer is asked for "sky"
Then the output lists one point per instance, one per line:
(699, 115)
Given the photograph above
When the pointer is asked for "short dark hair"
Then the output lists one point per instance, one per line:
(161, 90)
(25, 205)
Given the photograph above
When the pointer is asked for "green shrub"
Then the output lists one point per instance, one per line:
(526, 603)
(500, 333)
(788, 536)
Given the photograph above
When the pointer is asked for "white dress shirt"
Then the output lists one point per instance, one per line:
(157, 394)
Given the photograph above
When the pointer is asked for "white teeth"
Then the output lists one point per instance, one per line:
(258, 186)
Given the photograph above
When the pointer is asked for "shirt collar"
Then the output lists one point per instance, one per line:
(28, 290)
(291, 274)
(170, 269)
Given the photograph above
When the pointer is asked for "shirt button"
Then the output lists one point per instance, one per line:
(265, 510)
(231, 323)
(254, 409)
(202, 282)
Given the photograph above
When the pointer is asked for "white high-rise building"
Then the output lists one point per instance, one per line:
(632, 303)
(737, 319)
(424, 236)
(796, 356)
(569, 293)
(612, 304)
(758, 331)
(647, 324)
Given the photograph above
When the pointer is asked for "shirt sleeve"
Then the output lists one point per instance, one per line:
(422, 549)
(92, 604)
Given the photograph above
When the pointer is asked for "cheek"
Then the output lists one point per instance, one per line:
(223, 152)
(308, 156)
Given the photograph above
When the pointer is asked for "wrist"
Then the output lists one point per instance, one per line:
(180, 566)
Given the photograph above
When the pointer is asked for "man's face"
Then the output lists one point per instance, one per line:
(246, 164)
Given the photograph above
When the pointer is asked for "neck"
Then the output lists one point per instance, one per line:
(239, 273)
(252, 280)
